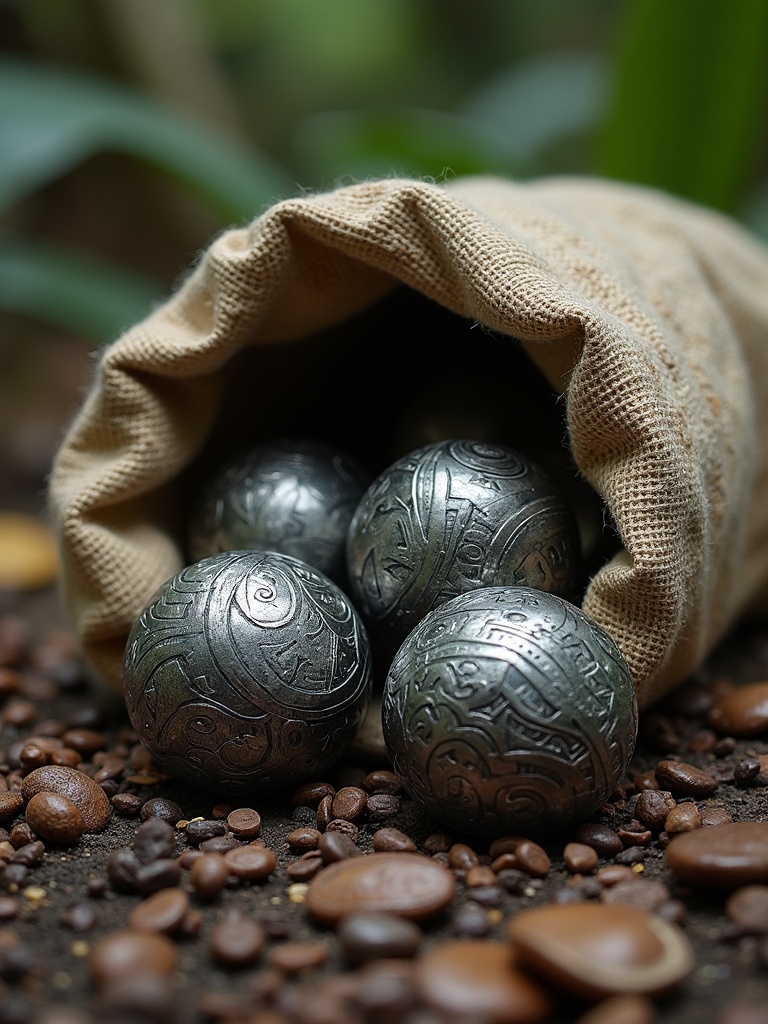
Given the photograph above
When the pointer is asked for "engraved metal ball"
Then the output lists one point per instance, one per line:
(508, 710)
(452, 517)
(293, 496)
(247, 670)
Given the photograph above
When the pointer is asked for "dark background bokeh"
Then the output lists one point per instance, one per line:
(132, 131)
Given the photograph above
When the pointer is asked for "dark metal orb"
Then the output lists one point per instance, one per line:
(452, 517)
(247, 670)
(507, 710)
(293, 496)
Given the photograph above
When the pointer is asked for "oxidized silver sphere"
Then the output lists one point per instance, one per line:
(247, 670)
(452, 517)
(293, 496)
(507, 710)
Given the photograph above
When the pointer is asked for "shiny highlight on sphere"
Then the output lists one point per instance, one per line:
(507, 710)
(453, 517)
(292, 496)
(246, 671)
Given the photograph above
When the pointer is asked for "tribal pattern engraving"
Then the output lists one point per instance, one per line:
(247, 669)
(296, 497)
(454, 517)
(508, 710)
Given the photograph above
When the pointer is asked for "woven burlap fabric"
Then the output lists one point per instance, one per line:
(647, 313)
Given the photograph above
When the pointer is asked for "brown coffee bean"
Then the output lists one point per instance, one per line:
(311, 793)
(746, 771)
(345, 828)
(382, 781)
(208, 875)
(652, 807)
(684, 779)
(127, 805)
(462, 857)
(646, 894)
(84, 793)
(237, 940)
(197, 831)
(600, 837)
(220, 844)
(567, 943)
(294, 957)
(244, 822)
(19, 713)
(324, 812)
(644, 781)
(580, 858)
(392, 840)
(304, 869)
(683, 818)
(477, 978)
(29, 854)
(407, 884)
(742, 712)
(251, 863)
(381, 806)
(349, 803)
(532, 859)
(21, 834)
(730, 855)
(66, 757)
(162, 912)
(127, 953)
(10, 805)
(31, 756)
(122, 865)
(711, 814)
(161, 807)
(366, 937)
(55, 818)
(471, 921)
(80, 917)
(335, 846)
(612, 874)
(154, 840)
(305, 838)
(438, 842)
(162, 873)
(480, 876)
(747, 907)
(634, 834)
(85, 741)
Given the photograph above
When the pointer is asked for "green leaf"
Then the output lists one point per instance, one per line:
(688, 101)
(51, 121)
(70, 291)
(341, 144)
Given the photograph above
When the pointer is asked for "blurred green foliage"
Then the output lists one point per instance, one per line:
(132, 130)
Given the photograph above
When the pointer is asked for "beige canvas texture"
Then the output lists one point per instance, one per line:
(650, 315)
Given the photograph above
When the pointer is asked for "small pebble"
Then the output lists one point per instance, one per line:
(479, 979)
(742, 712)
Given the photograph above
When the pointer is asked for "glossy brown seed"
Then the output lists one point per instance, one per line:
(596, 950)
(747, 907)
(85, 794)
(392, 840)
(480, 876)
(208, 875)
(163, 912)
(652, 807)
(294, 957)
(85, 741)
(684, 817)
(742, 712)
(381, 806)
(382, 781)
(325, 812)
(10, 805)
(349, 803)
(580, 858)
(305, 838)
(306, 867)
(612, 874)
(127, 805)
(161, 807)
(244, 822)
(601, 838)
(251, 863)
(729, 855)
(237, 940)
(124, 953)
(311, 793)
(532, 859)
(462, 857)
(335, 846)
(477, 978)
(647, 894)
(682, 779)
(55, 818)
(408, 884)
(365, 937)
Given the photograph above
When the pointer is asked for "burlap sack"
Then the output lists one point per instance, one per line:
(648, 314)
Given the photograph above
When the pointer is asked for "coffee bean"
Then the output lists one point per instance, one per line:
(603, 839)
(127, 953)
(324, 813)
(729, 855)
(471, 921)
(10, 805)
(220, 844)
(438, 842)
(381, 806)
(513, 880)
(382, 781)
(80, 917)
(21, 835)
(208, 875)
(237, 940)
(311, 793)
(200, 830)
(303, 838)
(742, 712)
(580, 858)
(335, 846)
(162, 873)
(385, 990)
(684, 779)
(344, 827)
(476, 978)
(652, 807)
(711, 814)
(304, 869)
(294, 957)
(154, 839)
(632, 855)
(251, 863)
(480, 875)
(349, 803)
(370, 936)
(532, 859)
(244, 822)
(143, 996)
(122, 865)
(634, 834)
(29, 854)
(162, 912)
(747, 907)
(486, 895)
(746, 771)
(127, 805)
(84, 793)
(612, 874)
(623, 1009)
(462, 857)
(646, 894)
(683, 818)
(407, 884)
(55, 818)
(567, 945)
(392, 840)
(161, 807)
(85, 741)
